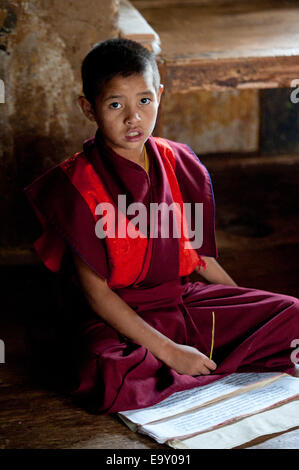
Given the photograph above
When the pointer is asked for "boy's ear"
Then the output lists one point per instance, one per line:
(160, 91)
(87, 108)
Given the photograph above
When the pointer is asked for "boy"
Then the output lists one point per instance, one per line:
(149, 331)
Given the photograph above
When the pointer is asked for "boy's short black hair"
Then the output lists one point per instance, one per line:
(114, 57)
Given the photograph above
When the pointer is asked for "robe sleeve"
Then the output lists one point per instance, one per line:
(66, 223)
(196, 186)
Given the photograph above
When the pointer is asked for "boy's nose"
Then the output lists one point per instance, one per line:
(132, 118)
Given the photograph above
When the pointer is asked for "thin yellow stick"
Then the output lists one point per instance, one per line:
(213, 332)
(145, 160)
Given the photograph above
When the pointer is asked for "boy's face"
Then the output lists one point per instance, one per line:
(126, 112)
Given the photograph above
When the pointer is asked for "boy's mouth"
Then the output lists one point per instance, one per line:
(134, 135)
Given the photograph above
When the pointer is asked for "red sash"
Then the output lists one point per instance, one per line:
(128, 258)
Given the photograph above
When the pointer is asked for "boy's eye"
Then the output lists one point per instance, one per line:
(115, 105)
(145, 100)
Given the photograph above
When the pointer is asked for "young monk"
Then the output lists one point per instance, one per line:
(147, 331)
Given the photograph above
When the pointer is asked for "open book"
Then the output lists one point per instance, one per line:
(198, 410)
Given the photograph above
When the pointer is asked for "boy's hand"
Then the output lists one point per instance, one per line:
(188, 360)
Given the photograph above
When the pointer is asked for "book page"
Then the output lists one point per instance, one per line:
(226, 411)
(275, 420)
(130, 424)
(183, 401)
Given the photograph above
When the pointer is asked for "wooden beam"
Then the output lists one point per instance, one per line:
(252, 72)
(132, 25)
(236, 44)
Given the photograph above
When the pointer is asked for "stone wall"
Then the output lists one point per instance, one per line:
(42, 44)
(214, 121)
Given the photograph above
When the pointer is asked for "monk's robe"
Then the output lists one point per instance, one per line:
(253, 328)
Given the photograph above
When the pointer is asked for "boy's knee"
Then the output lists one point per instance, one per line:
(288, 301)
(294, 302)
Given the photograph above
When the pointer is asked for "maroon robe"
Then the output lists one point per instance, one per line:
(253, 328)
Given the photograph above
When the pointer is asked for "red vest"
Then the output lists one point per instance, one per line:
(126, 256)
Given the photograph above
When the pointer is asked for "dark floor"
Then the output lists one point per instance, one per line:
(258, 242)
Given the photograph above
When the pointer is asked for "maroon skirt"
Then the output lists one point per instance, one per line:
(253, 332)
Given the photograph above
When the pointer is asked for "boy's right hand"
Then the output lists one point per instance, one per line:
(188, 360)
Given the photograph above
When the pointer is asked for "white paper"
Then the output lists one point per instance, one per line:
(276, 420)
(224, 411)
(182, 401)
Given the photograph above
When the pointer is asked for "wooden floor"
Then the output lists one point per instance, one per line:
(34, 416)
